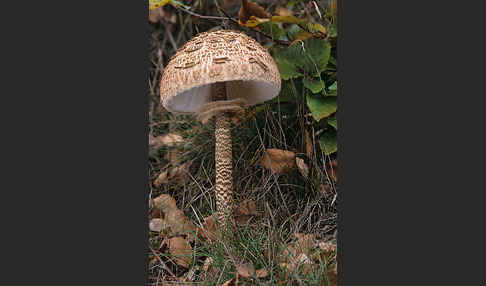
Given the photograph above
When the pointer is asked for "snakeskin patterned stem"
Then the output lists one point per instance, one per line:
(224, 160)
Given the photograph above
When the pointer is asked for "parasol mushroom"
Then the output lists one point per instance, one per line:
(216, 75)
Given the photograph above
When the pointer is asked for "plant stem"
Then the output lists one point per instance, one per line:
(224, 160)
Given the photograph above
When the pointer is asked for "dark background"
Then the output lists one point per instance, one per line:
(69, 112)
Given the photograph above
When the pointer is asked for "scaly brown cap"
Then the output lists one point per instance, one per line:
(220, 56)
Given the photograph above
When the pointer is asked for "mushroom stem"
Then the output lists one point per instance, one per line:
(224, 159)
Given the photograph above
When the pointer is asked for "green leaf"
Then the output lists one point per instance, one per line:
(317, 55)
(293, 30)
(328, 142)
(332, 120)
(288, 62)
(334, 30)
(314, 84)
(311, 57)
(333, 87)
(273, 30)
(332, 60)
(321, 106)
(287, 69)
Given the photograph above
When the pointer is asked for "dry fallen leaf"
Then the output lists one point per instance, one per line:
(207, 263)
(244, 211)
(162, 178)
(181, 250)
(304, 243)
(175, 218)
(302, 166)
(208, 230)
(284, 12)
(261, 273)
(297, 253)
(179, 173)
(209, 268)
(246, 270)
(157, 225)
(157, 14)
(155, 143)
(248, 9)
(328, 248)
(278, 160)
(171, 139)
(175, 174)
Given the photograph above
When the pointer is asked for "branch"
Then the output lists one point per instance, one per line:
(228, 17)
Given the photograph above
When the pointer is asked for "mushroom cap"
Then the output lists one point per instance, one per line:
(220, 56)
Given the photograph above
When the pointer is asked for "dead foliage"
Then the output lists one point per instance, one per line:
(278, 161)
(179, 224)
(250, 8)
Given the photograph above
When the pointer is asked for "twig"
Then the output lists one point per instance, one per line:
(228, 17)
(199, 15)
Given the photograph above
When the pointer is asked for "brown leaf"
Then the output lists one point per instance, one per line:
(328, 248)
(162, 178)
(171, 139)
(181, 250)
(305, 242)
(179, 173)
(175, 218)
(298, 252)
(175, 174)
(244, 211)
(208, 230)
(278, 160)
(157, 225)
(209, 268)
(261, 273)
(207, 263)
(155, 15)
(248, 9)
(155, 143)
(246, 270)
(284, 12)
(302, 166)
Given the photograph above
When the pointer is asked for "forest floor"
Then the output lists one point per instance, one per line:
(284, 186)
